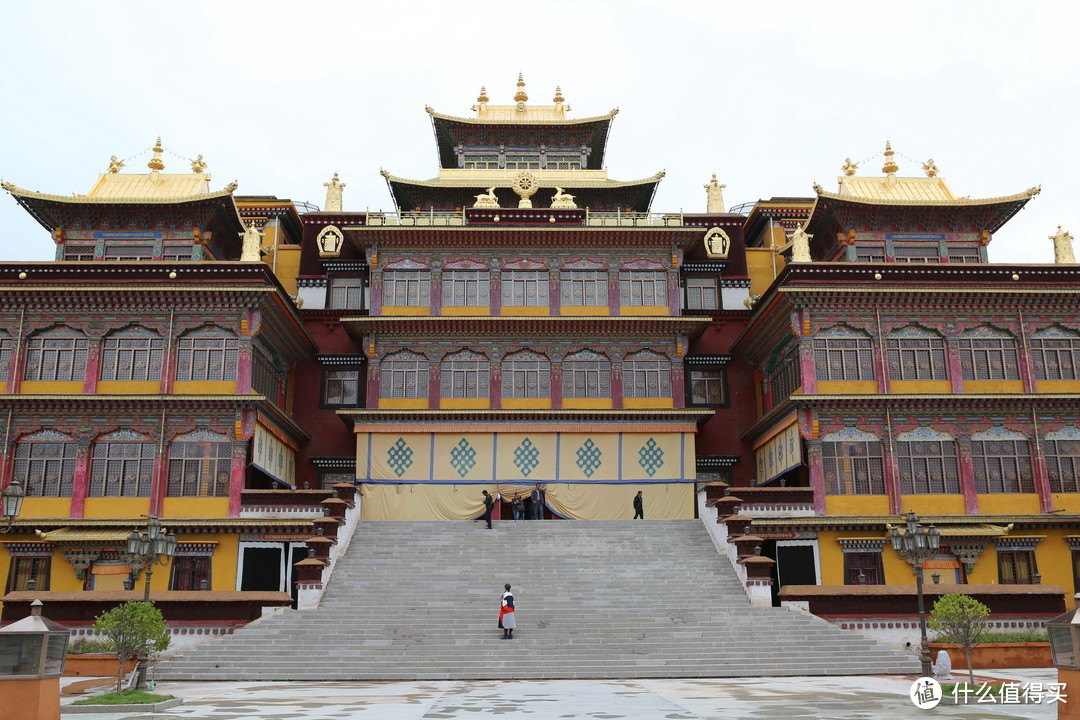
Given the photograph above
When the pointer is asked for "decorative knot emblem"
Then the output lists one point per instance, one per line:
(588, 458)
(526, 457)
(463, 457)
(651, 457)
(399, 457)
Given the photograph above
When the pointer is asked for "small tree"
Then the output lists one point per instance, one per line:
(960, 619)
(133, 628)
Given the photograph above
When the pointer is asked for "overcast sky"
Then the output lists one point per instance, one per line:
(772, 96)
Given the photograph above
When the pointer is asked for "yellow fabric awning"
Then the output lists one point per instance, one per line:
(113, 569)
(77, 534)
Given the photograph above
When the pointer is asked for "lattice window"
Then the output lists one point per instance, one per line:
(209, 353)
(346, 293)
(988, 354)
(927, 462)
(480, 160)
(526, 374)
(200, 465)
(24, 569)
(517, 160)
(116, 251)
(841, 353)
(1002, 462)
(403, 288)
(404, 375)
(853, 464)
(134, 353)
(863, 568)
(916, 254)
(1016, 567)
(869, 253)
(189, 572)
(701, 294)
(586, 375)
(916, 354)
(584, 287)
(341, 387)
(1062, 451)
(464, 375)
(643, 288)
(964, 254)
(646, 375)
(785, 378)
(327, 480)
(465, 288)
(122, 465)
(79, 253)
(266, 379)
(563, 160)
(525, 288)
(173, 252)
(56, 354)
(45, 464)
(708, 386)
(1055, 352)
(7, 346)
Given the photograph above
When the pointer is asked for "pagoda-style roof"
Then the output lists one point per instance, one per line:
(456, 189)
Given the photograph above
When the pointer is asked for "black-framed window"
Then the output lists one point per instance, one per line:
(7, 346)
(133, 353)
(465, 374)
(1055, 353)
(644, 288)
(345, 292)
(266, 378)
(526, 374)
(646, 375)
(1002, 466)
(707, 386)
(853, 467)
(843, 354)
(122, 465)
(45, 464)
(702, 294)
(341, 387)
(964, 254)
(928, 466)
(22, 570)
(525, 288)
(329, 478)
(916, 254)
(78, 253)
(584, 288)
(404, 375)
(1016, 566)
(586, 374)
(465, 288)
(863, 568)
(988, 354)
(406, 288)
(869, 253)
(1062, 452)
(209, 353)
(200, 465)
(913, 353)
(188, 572)
(785, 378)
(57, 354)
(126, 251)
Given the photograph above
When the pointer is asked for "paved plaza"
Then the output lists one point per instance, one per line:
(809, 698)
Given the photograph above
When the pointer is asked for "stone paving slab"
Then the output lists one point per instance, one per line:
(802, 698)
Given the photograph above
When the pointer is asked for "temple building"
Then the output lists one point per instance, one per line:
(900, 371)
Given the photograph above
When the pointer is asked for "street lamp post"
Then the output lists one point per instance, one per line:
(916, 543)
(147, 549)
(12, 498)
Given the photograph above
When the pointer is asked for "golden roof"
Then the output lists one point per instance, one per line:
(149, 186)
(569, 179)
(895, 188)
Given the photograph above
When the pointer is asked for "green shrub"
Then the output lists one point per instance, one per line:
(82, 647)
(127, 697)
(960, 619)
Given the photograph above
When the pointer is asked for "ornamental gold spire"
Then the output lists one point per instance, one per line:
(890, 167)
(849, 167)
(930, 168)
(520, 96)
(558, 96)
(483, 97)
(156, 164)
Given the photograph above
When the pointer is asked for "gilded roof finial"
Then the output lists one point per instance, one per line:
(1063, 248)
(890, 167)
(115, 165)
(156, 163)
(198, 165)
(930, 168)
(482, 98)
(558, 95)
(849, 167)
(520, 96)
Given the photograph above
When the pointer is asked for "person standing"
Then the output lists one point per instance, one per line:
(538, 501)
(507, 621)
(639, 506)
(518, 506)
(489, 505)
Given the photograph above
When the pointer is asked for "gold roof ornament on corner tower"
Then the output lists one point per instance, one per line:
(521, 97)
(1063, 247)
(156, 164)
(890, 166)
(930, 168)
(558, 99)
(198, 165)
(483, 96)
(849, 167)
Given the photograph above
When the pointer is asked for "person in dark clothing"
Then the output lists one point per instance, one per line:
(489, 505)
(538, 500)
(507, 620)
(639, 506)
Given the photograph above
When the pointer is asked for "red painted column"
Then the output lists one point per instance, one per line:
(495, 385)
(159, 482)
(817, 474)
(376, 292)
(554, 293)
(495, 292)
(80, 486)
(892, 480)
(678, 385)
(436, 292)
(967, 478)
(616, 385)
(374, 387)
(956, 368)
(237, 477)
(881, 370)
(93, 367)
(1026, 368)
(1042, 482)
(673, 289)
(434, 386)
(556, 385)
(243, 367)
(613, 292)
(807, 368)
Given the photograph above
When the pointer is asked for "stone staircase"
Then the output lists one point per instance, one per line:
(596, 599)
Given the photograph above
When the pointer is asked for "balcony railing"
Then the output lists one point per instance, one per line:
(617, 218)
(430, 218)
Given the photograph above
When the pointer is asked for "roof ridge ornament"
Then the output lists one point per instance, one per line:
(521, 97)
(930, 168)
(1063, 247)
(333, 194)
(890, 166)
(156, 164)
(198, 165)
(115, 165)
(714, 196)
(558, 99)
(849, 167)
(483, 96)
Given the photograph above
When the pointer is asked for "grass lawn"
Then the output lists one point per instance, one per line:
(127, 697)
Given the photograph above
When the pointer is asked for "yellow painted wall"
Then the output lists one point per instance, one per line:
(1057, 386)
(855, 504)
(912, 387)
(587, 403)
(204, 387)
(638, 403)
(3, 387)
(466, 310)
(34, 507)
(404, 403)
(993, 386)
(1069, 502)
(109, 387)
(287, 266)
(42, 387)
(759, 266)
(117, 507)
(539, 310)
(526, 403)
(633, 310)
(225, 560)
(194, 507)
(585, 310)
(464, 403)
(845, 387)
(406, 310)
(1008, 504)
(933, 504)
